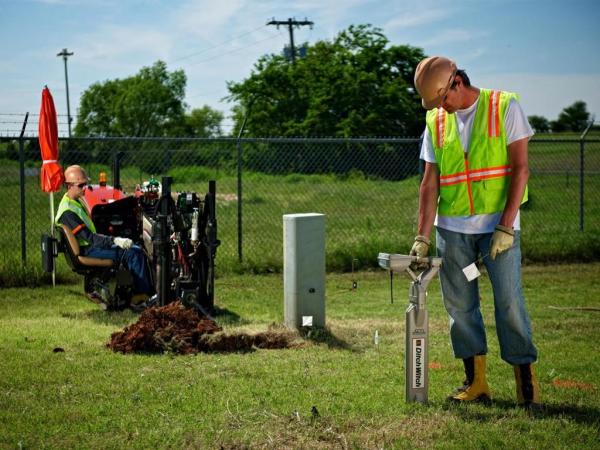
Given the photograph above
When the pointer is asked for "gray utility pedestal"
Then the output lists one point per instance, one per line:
(304, 270)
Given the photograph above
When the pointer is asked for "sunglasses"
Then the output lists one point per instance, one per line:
(79, 185)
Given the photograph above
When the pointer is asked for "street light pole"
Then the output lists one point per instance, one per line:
(65, 54)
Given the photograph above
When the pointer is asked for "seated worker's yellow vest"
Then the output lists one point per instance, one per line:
(67, 204)
(475, 182)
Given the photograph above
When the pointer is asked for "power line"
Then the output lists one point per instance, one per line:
(33, 122)
(205, 94)
(31, 114)
(217, 45)
(65, 54)
(235, 50)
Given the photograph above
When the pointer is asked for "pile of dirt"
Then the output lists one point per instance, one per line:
(178, 329)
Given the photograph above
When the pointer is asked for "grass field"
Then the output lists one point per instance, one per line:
(89, 397)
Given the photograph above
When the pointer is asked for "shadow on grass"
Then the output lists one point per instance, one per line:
(121, 318)
(581, 414)
(225, 316)
(113, 318)
(76, 290)
(324, 336)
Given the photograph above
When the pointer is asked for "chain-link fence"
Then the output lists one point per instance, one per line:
(368, 189)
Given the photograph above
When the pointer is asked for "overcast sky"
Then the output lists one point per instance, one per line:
(547, 51)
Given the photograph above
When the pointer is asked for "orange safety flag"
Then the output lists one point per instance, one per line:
(51, 174)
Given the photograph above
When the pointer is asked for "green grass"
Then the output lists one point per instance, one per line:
(90, 397)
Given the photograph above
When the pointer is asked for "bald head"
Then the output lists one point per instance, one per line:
(75, 174)
(75, 180)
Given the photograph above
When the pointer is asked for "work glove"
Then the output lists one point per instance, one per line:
(502, 239)
(124, 243)
(420, 249)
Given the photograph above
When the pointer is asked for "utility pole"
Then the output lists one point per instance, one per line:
(291, 23)
(65, 54)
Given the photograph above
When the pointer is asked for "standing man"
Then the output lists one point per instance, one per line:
(475, 179)
(73, 212)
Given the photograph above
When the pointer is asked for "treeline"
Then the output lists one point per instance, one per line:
(358, 84)
(575, 118)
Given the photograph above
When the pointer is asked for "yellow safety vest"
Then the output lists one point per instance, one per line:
(475, 182)
(67, 204)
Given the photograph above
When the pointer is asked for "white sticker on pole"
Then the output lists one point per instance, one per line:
(471, 272)
(307, 321)
(418, 351)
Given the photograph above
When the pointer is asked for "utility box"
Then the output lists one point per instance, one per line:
(304, 270)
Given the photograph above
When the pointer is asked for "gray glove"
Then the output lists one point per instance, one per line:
(124, 243)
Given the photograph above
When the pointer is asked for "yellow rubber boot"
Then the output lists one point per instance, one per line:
(528, 389)
(136, 299)
(475, 388)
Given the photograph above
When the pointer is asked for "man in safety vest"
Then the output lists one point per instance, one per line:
(475, 179)
(73, 212)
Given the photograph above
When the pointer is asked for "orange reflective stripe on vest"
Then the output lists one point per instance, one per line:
(440, 126)
(66, 204)
(491, 172)
(494, 114)
(475, 175)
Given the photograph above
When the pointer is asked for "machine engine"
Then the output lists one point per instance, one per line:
(179, 235)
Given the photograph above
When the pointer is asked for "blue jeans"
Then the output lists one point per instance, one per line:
(135, 261)
(461, 297)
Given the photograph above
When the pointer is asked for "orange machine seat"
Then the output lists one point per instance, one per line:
(73, 256)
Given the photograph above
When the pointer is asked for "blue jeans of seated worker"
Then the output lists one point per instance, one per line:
(461, 297)
(133, 258)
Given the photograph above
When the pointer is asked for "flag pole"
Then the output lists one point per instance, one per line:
(52, 234)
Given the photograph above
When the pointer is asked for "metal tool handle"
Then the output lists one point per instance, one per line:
(399, 263)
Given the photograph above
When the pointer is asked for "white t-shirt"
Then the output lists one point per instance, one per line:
(517, 127)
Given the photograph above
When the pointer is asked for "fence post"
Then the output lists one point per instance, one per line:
(239, 177)
(22, 189)
(581, 173)
(239, 196)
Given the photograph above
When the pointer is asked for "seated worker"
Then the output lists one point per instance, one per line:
(73, 212)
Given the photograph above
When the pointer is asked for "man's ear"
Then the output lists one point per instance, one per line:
(458, 80)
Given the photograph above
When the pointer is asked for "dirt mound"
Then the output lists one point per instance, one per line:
(182, 330)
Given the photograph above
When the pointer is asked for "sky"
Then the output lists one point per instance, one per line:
(547, 51)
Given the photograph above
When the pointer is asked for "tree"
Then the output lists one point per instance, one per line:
(147, 104)
(573, 118)
(557, 127)
(204, 122)
(539, 123)
(356, 85)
